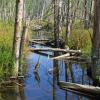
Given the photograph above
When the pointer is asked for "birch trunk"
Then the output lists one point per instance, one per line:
(17, 32)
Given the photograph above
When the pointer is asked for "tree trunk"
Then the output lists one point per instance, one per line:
(67, 20)
(96, 42)
(85, 14)
(71, 14)
(90, 15)
(60, 14)
(56, 22)
(43, 10)
(17, 32)
(24, 39)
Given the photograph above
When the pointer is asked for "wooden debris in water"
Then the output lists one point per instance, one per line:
(80, 88)
(16, 78)
(61, 56)
(55, 49)
(77, 58)
(10, 83)
(35, 42)
(18, 84)
(39, 40)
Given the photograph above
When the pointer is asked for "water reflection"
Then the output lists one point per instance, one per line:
(43, 85)
(69, 72)
(37, 77)
(12, 93)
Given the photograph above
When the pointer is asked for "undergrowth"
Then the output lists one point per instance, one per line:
(6, 59)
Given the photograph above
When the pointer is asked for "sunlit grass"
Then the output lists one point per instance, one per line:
(6, 39)
(80, 38)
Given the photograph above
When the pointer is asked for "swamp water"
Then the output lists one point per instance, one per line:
(42, 85)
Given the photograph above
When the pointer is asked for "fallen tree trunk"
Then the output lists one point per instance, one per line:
(35, 42)
(76, 61)
(85, 89)
(10, 83)
(39, 40)
(44, 54)
(77, 58)
(61, 56)
(55, 49)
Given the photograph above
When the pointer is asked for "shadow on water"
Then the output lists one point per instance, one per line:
(42, 85)
(14, 92)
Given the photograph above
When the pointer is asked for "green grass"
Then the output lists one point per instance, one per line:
(6, 59)
(81, 39)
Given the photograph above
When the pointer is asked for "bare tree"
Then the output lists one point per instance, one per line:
(56, 22)
(67, 18)
(96, 42)
(17, 32)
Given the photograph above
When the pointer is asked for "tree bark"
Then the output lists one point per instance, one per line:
(17, 32)
(85, 14)
(56, 22)
(67, 19)
(96, 42)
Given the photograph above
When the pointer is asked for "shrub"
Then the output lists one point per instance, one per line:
(81, 39)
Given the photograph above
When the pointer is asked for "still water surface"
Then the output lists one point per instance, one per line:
(40, 86)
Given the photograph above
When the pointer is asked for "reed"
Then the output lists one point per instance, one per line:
(6, 59)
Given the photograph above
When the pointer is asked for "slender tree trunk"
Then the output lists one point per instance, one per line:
(90, 14)
(71, 18)
(17, 32)
(85, 14)
(67, 19)
(56, 22)
(60, 14)
(96, 42)
(56, 35)
(43, 10)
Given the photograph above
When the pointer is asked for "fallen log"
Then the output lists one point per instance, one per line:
(77, 58)
(75, 61)
(39, 40)
(61, 56)
(16, 78)
(55, 49)
(85, 89)
(10, 83)
(18, 84)
(44, 54)
(35, 42)
(5, 83)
